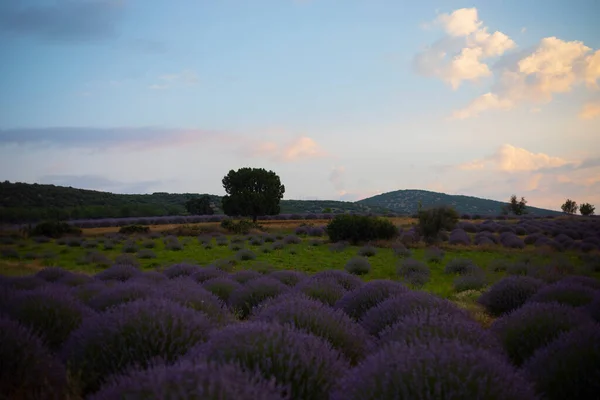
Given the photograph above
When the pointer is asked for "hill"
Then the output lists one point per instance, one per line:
(406, 202)
(24, 202)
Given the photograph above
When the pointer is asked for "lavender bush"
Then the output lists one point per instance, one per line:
(287, 277)
(307, 364)
(434, 254)
(120, 293)
(118, 273)
(254, 292)
(327, 290)
(359, 301)
(358, 265)
(367, 251)
(459, 266)
(433, 371)
(182, 269)
(346, 280)
(222, 287)
(508, 294)
(245, 276)
(534, 326)
(568, 293)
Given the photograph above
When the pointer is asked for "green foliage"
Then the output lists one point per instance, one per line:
(517, 207)
(134, 229)
(587, 209)
(54, 229)
(569, 207)
(435, 220)
(358, 228)
(199, 206)
(241, 227)
(252, 192)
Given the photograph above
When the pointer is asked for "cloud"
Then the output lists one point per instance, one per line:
(184, 78)
(336, 177)
(509, 158)
(459, 55)
(63, 21)
(554, 66)
(590, 110)
(299, 149)
(108, 138)
(97, 182)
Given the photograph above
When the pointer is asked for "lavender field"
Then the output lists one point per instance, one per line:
(499, 310)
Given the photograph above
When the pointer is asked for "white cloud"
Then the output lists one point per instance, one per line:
(298, 149)
(590, 110)
(459, 56)
(511, 159)
(487, 101)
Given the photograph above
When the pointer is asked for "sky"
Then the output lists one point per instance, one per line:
(343, 99)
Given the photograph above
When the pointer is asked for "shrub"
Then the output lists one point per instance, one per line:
(74, 279)
(307, 364)
(391, 310)
(245, 276)
(292, 239)
(534, 326)
(54, 229)
(571, 294)
(263, 267)
(22, 282)
(189, 294)
(367, 251)
(242, 227)
(179, 270)
(434, 254)
(358, 265)
(245, 255)
(256, 241)
(509, 293)
(401, 251)
(517, 268)
(222, 287)
(316, 231)
(436, 370)
(429, 324)
(582, 280)
(206, 273)
(27, 369)
(320, 320)
(148, 244)
(359, 301)
(249, 296)
(132, 334)
(134, 229)
(109, 245)
(414, 272)
(435, 220)
(89, 244)
(327, 290)
(146, 254)
(222, 241)
(151, 278)
(127, 259)
(96, 258)
(51, 274)
(118, 273)
(346, 280)
(460, 266)
(120, 293)
(287, 277)
(190, 380)
(130, 246)
(459, 237)
(277, 245)
(51, 312)
(357, 228)
(172, 243)
(475, 280)
(568, 367)
(499, 265)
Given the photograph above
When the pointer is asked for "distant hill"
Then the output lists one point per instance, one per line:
(406, 202)
(24, 202)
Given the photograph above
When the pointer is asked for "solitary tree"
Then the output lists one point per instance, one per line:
(199, 206)
(587, 209)
(517, 207)
(252, 192)
(435, 220)
(570, 207)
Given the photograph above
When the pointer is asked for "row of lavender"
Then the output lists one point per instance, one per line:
(200, 332)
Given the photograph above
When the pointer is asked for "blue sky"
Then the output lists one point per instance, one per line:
(343, 99)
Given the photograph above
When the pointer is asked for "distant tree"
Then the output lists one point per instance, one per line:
(517, 207)
(587, 209)
(570, 207)
(435, 220)
(199, 206)
(252, 192)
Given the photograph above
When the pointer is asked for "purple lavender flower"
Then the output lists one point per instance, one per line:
(245, 276)
(206, 273)
(27, 369)
(358, 265)
(437, 370)
(359, 301)
(190, 380)
(253, 293)
(425, 324)
(51, 312)
(533, 326)
(346, 280)
(572, 294)
(389, 311)
(118, 273)
(509, 294)
(320, 320)
(51, 274)
(568, 367)
(121, 293)
(327, 290)
(307, 364)
(460, 237)
(132, 334)
(178, 270)
(221, 287)
(288, 277)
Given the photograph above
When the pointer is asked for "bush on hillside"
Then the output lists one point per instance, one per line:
(358, 228)
(433, 221)
(54, 229)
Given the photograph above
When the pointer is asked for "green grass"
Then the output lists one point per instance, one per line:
(305, 257)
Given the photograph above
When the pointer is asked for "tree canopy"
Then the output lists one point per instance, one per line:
(587, 209)
(517, 207)
(199, 206)
(252, 192)
(569, 207)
